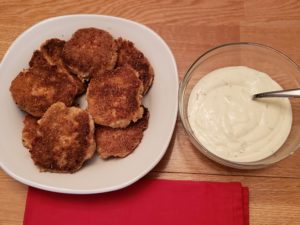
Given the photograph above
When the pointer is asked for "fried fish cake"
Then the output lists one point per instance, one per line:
(51, 50)
(128, 53)
(90, 49)
(29, 131)
(38, 59)
(114, 98)
(36, 89)
(50, 56)
(64, 139)
(120, 142)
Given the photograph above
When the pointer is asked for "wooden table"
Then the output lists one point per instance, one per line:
(190, 28)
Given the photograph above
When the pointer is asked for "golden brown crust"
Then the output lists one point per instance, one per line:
(119, 142)
(38, 59)
(114, 98)
(29, 131)
(52, 52)
(129, 54)
(65, 139)
(50, 55)
(89, 49)
(37, 88)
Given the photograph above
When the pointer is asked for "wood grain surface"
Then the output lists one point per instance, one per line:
(190, 28)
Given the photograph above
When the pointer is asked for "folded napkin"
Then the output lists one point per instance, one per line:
(148, 201)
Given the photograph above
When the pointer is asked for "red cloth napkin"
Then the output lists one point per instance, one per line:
(148, 201)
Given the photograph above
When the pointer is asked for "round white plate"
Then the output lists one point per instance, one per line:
(97, 175)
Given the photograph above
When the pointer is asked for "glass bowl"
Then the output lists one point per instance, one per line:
(259, 57)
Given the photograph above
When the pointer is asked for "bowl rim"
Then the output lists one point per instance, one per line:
(187, 128)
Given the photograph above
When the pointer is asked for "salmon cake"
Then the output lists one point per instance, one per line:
(64, 149)
(29, 131)
(129, 54)
(120, 142)
(52, 51)
(90, 49)
(50, 54)
(114, 98)
(38, 59)
(34, 90)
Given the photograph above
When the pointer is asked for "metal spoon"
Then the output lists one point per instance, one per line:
(293, 93)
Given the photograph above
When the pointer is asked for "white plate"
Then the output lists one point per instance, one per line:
(98, 175)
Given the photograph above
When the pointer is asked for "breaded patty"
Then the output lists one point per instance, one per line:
(128, 53)
(119, 142)
(90, 49)
(51, 54)
(36, 89)
(114, 98)
(52, 51)
(29, 131)
(64, 139)
(38, 59)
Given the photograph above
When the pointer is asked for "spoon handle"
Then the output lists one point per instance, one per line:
(293, 93)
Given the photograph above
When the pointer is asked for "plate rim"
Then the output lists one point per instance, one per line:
(171, 130)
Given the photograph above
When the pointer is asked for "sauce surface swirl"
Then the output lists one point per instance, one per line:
(229, 124)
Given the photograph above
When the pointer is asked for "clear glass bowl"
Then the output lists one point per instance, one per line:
(262, 58)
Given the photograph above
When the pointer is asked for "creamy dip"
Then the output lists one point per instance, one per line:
(231, 125)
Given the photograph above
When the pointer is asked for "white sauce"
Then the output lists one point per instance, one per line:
(231, 125)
